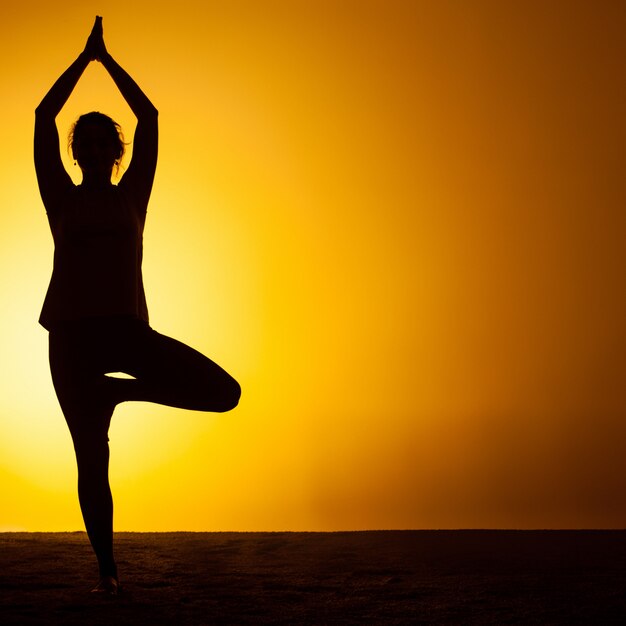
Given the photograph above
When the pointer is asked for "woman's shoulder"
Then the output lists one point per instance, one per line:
(65, 198)
(128, 196)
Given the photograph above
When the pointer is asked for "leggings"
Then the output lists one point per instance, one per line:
(164, 371)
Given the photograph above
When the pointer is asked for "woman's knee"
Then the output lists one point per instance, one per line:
(91, 448)
(229, 396)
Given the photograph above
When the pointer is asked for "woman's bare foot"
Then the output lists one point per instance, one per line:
(107, 585)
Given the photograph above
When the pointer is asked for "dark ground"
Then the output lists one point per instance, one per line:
(386, 577)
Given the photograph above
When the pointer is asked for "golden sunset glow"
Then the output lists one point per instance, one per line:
(400, 225)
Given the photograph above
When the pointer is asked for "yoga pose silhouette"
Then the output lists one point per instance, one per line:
(95, 308)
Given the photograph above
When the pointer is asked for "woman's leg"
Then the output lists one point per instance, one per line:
(166, 371)
(77, 384)
(169, 372)
(94, 494)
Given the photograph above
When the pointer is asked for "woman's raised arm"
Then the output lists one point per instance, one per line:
(51, 175)
(140, 173)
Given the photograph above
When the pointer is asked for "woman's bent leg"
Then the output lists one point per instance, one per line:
(169, 372)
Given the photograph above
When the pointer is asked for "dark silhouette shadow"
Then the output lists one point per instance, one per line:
(95, 308)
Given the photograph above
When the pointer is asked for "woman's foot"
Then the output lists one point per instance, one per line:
(108, 585)
(105, 394)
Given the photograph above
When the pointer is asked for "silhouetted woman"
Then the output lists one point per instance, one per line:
(95, 308)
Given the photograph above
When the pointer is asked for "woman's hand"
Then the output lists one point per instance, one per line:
(95, 48)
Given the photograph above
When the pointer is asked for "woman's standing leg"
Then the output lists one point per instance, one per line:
(94, 494)
(76, 383)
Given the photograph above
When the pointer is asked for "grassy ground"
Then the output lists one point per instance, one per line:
(387, 577)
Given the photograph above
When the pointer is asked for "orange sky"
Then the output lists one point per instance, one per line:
(399, 224)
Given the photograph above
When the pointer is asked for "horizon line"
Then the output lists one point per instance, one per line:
(320, 532)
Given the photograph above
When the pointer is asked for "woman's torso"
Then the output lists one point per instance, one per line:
(97, 258)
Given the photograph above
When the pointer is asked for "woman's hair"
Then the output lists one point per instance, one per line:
(113, 129)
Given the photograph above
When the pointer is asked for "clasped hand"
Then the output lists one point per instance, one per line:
(95, 48)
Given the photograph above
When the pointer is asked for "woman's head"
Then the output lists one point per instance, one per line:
(97, 143)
